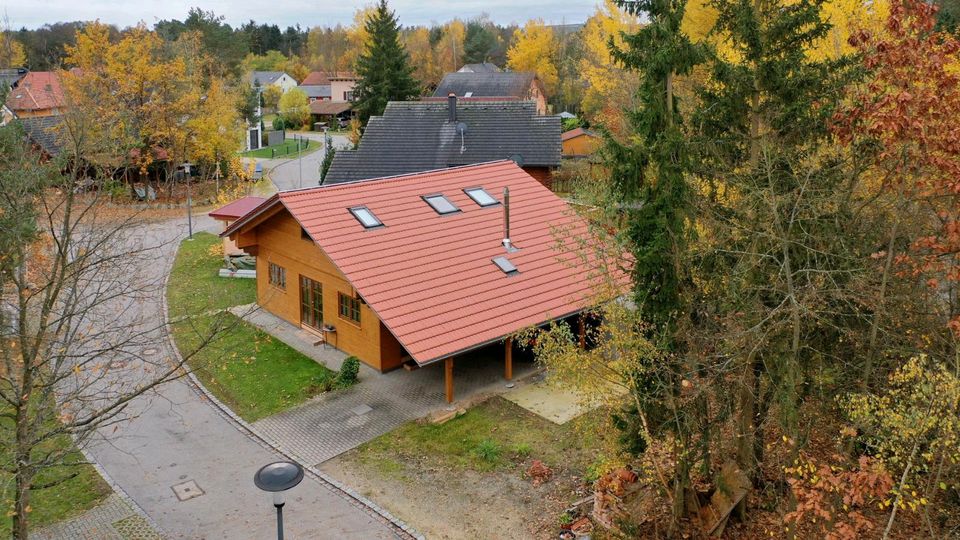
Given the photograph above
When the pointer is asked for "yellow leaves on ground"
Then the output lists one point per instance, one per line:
(533, 50)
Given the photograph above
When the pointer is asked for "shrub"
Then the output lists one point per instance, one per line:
(347, 376)
(487, 450)
(278, 124)
(522, 450)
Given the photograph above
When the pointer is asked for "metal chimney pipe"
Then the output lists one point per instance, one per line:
(506, 218)
(452, 107)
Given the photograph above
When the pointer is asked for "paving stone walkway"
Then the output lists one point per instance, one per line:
(340, 420)
(111, 520)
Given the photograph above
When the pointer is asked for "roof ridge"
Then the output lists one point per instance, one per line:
(399, 176)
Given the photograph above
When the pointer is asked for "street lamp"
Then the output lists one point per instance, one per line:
(186, 171)
(277, 478)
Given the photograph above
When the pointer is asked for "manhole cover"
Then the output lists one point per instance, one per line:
(361, 409)
(187, 490)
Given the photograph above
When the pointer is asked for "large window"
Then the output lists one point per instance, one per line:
(278, 276)
(311, 303)
(349, 308)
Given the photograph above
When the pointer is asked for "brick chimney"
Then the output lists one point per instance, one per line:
(452, 107)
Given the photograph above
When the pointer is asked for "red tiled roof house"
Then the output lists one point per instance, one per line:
(415, 266)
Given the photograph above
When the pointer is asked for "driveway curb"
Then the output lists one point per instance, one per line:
(400, 528)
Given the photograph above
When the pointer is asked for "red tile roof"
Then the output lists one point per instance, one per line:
(36, 91)
(236, 208)
(329, 107)
(567, 135)
(430, 278)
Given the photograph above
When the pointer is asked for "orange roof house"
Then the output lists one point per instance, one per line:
(579, 142)
(416, 265)
(38, 93)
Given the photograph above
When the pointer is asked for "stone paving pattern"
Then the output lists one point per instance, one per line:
(111, 520)
(335, 421)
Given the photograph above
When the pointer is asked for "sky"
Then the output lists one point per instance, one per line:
(307, 13)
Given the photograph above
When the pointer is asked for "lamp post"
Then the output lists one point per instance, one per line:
(276, 478)
(186, 171)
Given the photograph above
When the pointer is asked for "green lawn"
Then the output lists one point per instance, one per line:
(59, 502)
(287, 149)
(246, 368)
(492, 436)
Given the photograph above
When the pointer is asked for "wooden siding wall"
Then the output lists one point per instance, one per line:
(582, 145)
(279, 241)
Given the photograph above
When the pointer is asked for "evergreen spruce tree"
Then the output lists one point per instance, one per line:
(478, 43)
(383, 68)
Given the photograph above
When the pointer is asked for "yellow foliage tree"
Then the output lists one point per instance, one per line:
(12, 53)
(217, 129)
(294, 107)
(610, 88)
(534, 49)
(271, 96)
(450, 47)
(422, 56)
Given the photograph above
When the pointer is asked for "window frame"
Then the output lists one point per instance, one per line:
(353, 212)
(426, 199)
(496, 202)
(352, 305)
(276, 276)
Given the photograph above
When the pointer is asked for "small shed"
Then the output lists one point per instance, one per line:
(228, 214)
(579, 143)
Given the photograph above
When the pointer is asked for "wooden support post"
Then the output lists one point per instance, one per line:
(508, 360)
(448, 378)
(583, 333)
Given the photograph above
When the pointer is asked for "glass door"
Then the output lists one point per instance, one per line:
(311, 303)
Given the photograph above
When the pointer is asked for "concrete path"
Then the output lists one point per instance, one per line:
(174, 437)
(340, 420)
(294, 173)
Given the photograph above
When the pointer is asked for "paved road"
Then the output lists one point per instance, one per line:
(175, 437)
(305, 171)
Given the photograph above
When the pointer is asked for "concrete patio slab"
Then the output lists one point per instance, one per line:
(545, 400)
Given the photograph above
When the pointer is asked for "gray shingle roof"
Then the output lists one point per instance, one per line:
(498, 84)
(264, 77)
(316, 90)
(44, 132)
(414, 136)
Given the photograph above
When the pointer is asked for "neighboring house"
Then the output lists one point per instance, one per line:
(38, 93)
(523, 85)
(485, 67)
(579, 142)
(231, 212)
(318, 92)
(417, 267)
(274, 78)
(44, 133)
(336, 86)
(414, 136)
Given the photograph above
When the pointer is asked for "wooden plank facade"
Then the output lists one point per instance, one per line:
(277, 239)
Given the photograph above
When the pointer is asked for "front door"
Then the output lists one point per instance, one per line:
(311, 303)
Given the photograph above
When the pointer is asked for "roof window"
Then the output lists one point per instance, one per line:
(480, 196)
(366, 217)
(505, 265)
(441, 204)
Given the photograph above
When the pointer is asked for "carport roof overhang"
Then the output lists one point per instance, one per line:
(495, 340)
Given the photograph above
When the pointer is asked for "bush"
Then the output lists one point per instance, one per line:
(347, 376)
(487, 450)
(278, 124)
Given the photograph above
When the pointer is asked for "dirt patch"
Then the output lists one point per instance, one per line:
(467, 478)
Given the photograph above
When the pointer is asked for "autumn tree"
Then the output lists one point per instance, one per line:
(294, 107)
(271, 96)
(12, 52)
(383, 68)
(534, 49)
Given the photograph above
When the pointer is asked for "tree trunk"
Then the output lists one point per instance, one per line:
(875, 323)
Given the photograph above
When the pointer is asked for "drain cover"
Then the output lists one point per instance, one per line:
(362, 409)
(187, 490)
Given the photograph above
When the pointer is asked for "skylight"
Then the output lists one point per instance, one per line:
(480, 196)
(441, 204)
(505, 265)
(365, 217)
